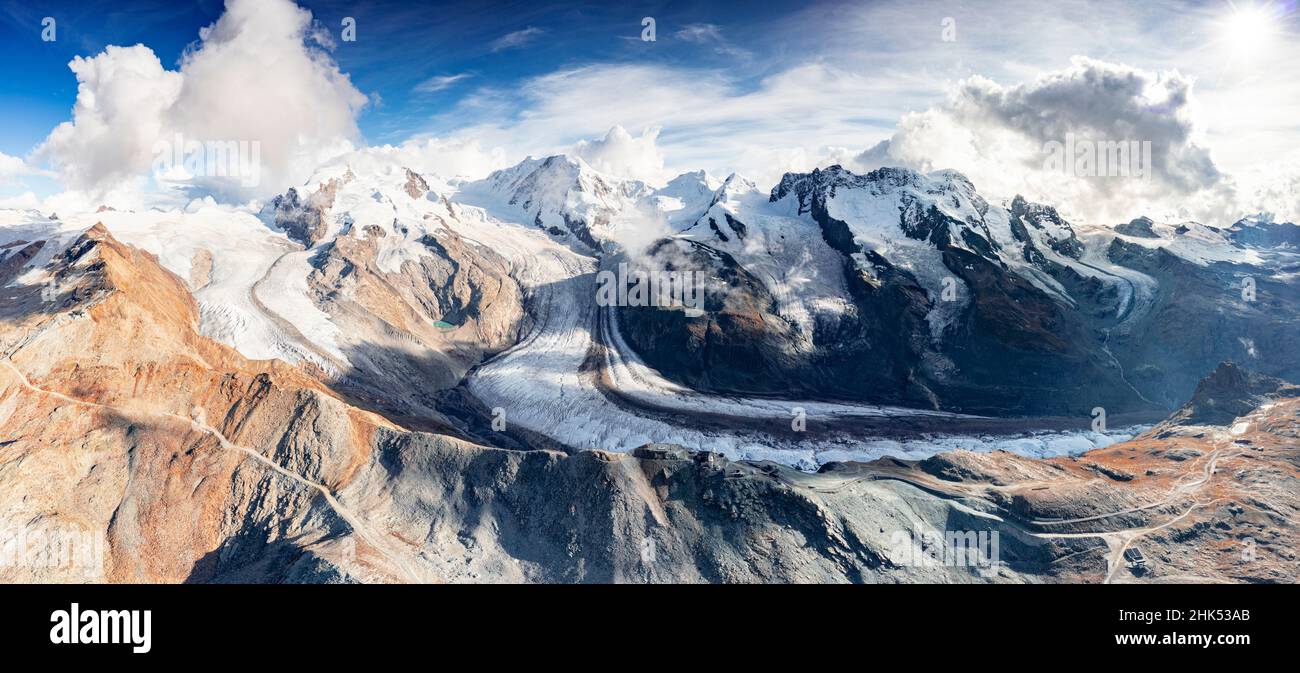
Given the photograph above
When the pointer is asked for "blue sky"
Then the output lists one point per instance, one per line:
(759, 88)
(400, 45)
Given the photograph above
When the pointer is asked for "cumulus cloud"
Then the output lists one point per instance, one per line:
(260, 75)
(1273, 189)
(444, 157)
(272, 80)
(622, 155)
(12, 167)
(24, 201)
(9, 166)
(1013, 139)
(635, 229)
(123, 95)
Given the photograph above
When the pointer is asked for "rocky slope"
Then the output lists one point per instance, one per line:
(906, 288)
(867, 301)
(188, 462)
(125, 431)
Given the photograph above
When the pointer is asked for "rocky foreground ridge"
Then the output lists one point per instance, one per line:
(183, 461)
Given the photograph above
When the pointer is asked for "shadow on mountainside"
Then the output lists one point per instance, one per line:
(384, 383)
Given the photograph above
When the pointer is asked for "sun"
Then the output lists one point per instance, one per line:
(1248, 30)
(1248, 24)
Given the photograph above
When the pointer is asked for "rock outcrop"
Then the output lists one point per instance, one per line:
(184, 461)
(1229, 392)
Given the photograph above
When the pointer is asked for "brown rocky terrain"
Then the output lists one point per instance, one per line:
(1201, 502)
(119, 419)
(189, 462)
(429, 321)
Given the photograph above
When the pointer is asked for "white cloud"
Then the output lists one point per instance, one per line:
(129, 194)
(700, 32)
(709, 120)
(1273, 188)
(1003, 138)
(122, 96)
(815, 114)
(257, 75)
(439, 82)
(635, 229)
(1246, 108)
(518, 38)
(14, 167)
(710, 34)
(24, 201)
(9, 166)
(619, 154)
(446, 158)
(881, 74)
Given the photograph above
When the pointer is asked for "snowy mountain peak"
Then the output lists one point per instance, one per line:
(722, 214)
(1138, 226)
(950, 190)
(549, 178)
(732, 190)
(737, 182)
(561, 194)
(941, 208)
(1262, 231)
(689, 187)
(385, 194)
(684, 198)
(803, 185)
(1053, 230)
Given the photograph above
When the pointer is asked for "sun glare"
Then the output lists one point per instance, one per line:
(1248, 30)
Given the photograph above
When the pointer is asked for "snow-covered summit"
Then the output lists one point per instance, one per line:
(684, 198)
(561, 194)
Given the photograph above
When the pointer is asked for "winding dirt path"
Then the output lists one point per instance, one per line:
(1117, 541)
(378, 541)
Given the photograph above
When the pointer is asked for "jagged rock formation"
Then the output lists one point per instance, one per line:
(302, 218)
(563, 196)
(1140, 227)
(1227, 393)
(192, 463)
(913, 289)
(312, 395)
(936, 309)
(1265, 233)
(1212, 301)
(120, 421)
